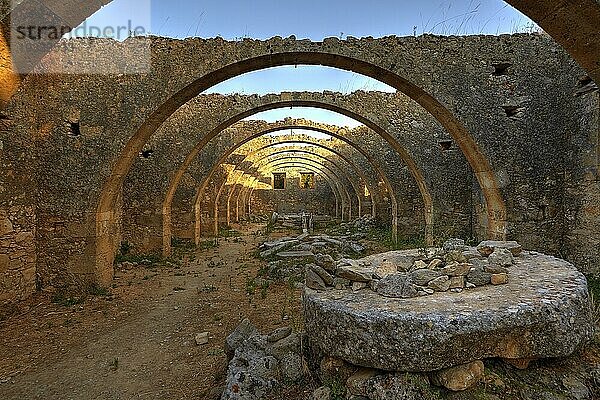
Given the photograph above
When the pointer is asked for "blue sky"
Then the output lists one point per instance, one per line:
(315, 20)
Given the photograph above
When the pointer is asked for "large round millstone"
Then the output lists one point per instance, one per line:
(544, 311)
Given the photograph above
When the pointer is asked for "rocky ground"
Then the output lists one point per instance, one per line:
(138, 339)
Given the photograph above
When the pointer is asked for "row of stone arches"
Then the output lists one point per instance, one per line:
(156, 110)
(479, 164)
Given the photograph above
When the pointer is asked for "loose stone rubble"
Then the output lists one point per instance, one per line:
(406, 274)
(306, 256)
(260, 363)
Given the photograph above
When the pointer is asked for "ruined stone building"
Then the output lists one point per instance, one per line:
(486, 137)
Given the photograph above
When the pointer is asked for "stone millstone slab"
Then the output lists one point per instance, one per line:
(543, 311)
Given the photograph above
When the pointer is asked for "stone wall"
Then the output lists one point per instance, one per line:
(510, 97)
(17, 213)
(294, 199)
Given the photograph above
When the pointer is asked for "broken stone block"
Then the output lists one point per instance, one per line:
(280, 348)
(499, 279)
(419, 264)
(356, 286)
(435, 263)
(501, 257)
(202, 338)
(495, 269)
(456, 269)
(397, 286)
(422, 277)
(457, 282)
(472, 253)
(487, 247)
(441, 284)
(384, 269)
(455, 256)
(459, 378)
(296, 254)
(326, 276)
(325, 261)
(354, 272)
(477, 276)
(279, 334)
(243, 331)
(454, 244)
(314, 281)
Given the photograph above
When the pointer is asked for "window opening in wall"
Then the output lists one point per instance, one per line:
(584, 80)
(279, 180)
(307, 180)
(586, 85)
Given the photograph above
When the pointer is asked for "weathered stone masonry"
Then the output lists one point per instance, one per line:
(518, 118)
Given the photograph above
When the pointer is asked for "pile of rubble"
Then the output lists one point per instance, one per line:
(413, 273)
(307, 245)
(288, 255)
(260, 364)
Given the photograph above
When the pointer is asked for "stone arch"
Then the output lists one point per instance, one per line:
(279, 142)
(106, 216)
(574, 25)
(346, 159)
(277, 104)
(199, 196)
(331, 185)
(336, 170)
(288, 139)
(338, 133)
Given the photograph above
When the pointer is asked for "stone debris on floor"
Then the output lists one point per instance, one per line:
(421, 272)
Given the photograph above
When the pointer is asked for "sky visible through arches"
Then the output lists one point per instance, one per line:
(315, 20)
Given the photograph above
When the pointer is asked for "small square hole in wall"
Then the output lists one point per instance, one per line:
(585, 85)
(279, 180)
(501, 68)
(445, 145)
(514, 111)
(74, 129)
(146, 153)
(584, 80)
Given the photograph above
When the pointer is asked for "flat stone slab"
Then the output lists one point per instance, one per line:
(296, 254)
(544, 311)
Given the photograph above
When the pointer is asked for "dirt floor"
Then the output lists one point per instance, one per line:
(138, 341)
